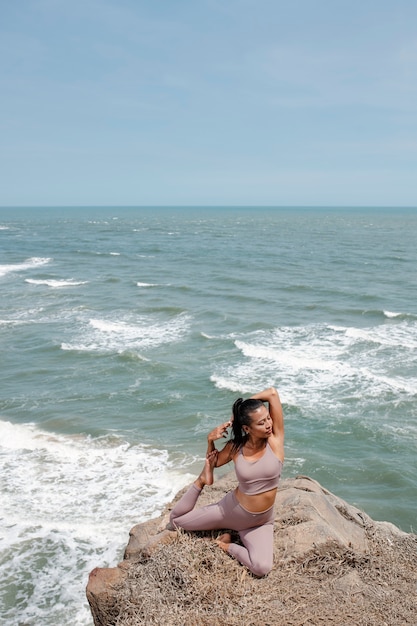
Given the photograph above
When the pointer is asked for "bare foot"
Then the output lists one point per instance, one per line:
(207, 474)
(224, 541)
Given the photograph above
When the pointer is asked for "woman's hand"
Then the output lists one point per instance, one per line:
(219, 432)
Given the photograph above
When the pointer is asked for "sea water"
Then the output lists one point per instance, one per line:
(126, 335)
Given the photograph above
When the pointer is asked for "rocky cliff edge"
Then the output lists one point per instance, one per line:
(332, 565)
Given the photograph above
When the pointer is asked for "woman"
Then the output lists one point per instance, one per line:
(257, 449)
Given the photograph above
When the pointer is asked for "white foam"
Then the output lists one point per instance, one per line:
(146, 285)
(391, 314)
(28, 264)
(68, 503)
(403, 334)
(56, 284)
(317, 367)
(104, 335)
(396, 384)
(296, 358)
(223, 382)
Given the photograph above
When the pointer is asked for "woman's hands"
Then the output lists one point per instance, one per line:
(219, 432)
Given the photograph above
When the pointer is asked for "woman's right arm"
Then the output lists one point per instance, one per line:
(225, 454)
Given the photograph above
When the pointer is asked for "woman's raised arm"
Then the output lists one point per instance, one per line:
(271, 396)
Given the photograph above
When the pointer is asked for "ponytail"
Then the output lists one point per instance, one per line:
(242, 410)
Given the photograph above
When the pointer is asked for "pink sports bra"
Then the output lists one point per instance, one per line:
(258, 476)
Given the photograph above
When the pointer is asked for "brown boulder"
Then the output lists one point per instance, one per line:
(312, 516)
(332, 564)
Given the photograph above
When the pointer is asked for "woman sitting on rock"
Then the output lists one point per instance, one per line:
(257, 450)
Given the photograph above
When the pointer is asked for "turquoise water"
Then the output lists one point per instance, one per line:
(126, 334)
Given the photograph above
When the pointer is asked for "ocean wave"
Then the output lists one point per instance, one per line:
(83, 496)
(326, 366)
(398, 384)
(391, 314)
(383, 314)
(229, 383)
(56, 284)
(399, 316)
(25, 265)
(121, 336)
(296, 358)
(398, 336)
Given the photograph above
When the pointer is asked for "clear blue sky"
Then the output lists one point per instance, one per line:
(208, 102)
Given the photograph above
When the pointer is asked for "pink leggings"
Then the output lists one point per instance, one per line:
(255, 529)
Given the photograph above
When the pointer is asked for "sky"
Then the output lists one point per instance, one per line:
(208, 102)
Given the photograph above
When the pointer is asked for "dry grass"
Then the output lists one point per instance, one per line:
(193, 583)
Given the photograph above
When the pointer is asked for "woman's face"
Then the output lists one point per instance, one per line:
(261, 424)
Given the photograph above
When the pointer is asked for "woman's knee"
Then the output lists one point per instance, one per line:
(260, 568)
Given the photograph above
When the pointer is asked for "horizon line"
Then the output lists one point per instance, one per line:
(209, 206)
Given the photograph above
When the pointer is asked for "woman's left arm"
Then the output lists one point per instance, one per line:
(271, 396)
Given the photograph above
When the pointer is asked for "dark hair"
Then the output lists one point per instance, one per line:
(242, 410)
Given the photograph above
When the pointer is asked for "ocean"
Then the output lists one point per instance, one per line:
(127, 333)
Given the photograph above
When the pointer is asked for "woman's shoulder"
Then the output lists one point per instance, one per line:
(233, 449)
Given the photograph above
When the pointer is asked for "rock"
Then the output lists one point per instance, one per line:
(310, 517)
(317, 537)
(100, 592)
